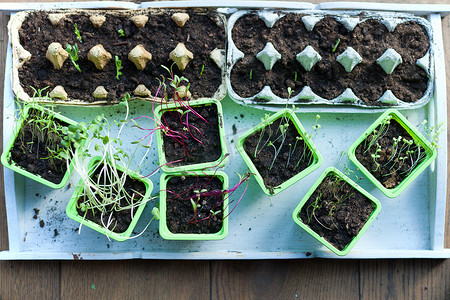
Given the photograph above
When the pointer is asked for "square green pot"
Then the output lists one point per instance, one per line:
(71, 209)
(375, 212)
(221, 161)
(164, 229)
(315, 164)
(431, 153)
(6, 155)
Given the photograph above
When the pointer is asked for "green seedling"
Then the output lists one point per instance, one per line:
(118, 66)
(77, 32)
(121, 32)
(73, 55)
(336, 45)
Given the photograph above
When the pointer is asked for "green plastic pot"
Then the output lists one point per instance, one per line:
(431, 153)
(164, 229)
(221, 161)
(375, 212)
(71, 209)
(6, 155)
(315, 164)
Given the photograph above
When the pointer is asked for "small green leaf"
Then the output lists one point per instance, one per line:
(155, 213)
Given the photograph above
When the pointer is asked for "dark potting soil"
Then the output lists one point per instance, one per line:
(328, 78)
(33, 155)
(200, 138)
(160, 36)
(120, 219)
(294, 155)
(392, 169)
(336, 211)
(180, 211)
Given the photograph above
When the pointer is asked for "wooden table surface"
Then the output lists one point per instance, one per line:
(270, 279)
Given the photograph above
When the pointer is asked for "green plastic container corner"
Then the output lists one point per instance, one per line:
(375, 212)
(415, 134)
(6, 155)
(164, 230)
(71, 209)
(221, 161)
(315, 164)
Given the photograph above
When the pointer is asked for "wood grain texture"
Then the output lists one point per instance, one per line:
(405, 279)
(135, 280)
(29, 280)
(3, 45)
(287, 279)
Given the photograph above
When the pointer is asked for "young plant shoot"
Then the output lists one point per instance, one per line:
(73, 54)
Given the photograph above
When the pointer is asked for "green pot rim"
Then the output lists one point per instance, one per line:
(7, 150)
(72, 213)
(431, 153)
(317, 157)
(164, 230)
(221, 161)
(327, 244)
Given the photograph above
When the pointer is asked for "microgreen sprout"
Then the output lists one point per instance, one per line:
(77, 32)
(295, 76)
(37, 93)
(290, 91)
(375, 156)
(251, 74)
(118, 66)
(336, 45)
(73, 55)
(201, 72)
(121, 32)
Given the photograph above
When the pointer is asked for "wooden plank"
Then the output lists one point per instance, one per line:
(405, 279)
(285, 279)
(3, 43)
(29, 280)
(135, 280)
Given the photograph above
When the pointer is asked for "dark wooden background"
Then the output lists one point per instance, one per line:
(270, 279)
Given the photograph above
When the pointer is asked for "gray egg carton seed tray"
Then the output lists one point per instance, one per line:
(309, 56)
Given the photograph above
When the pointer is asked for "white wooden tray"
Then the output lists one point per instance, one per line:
(261, 227)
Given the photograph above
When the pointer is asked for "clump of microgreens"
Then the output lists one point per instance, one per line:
(276, 139)
(403, 149)
(118, 66)
(202, 194)
(171, 92)
(77, 32)
(336, 194)
(121, 32)
(73, 55)
(105, 193)
(46, 133)
(336, 45)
